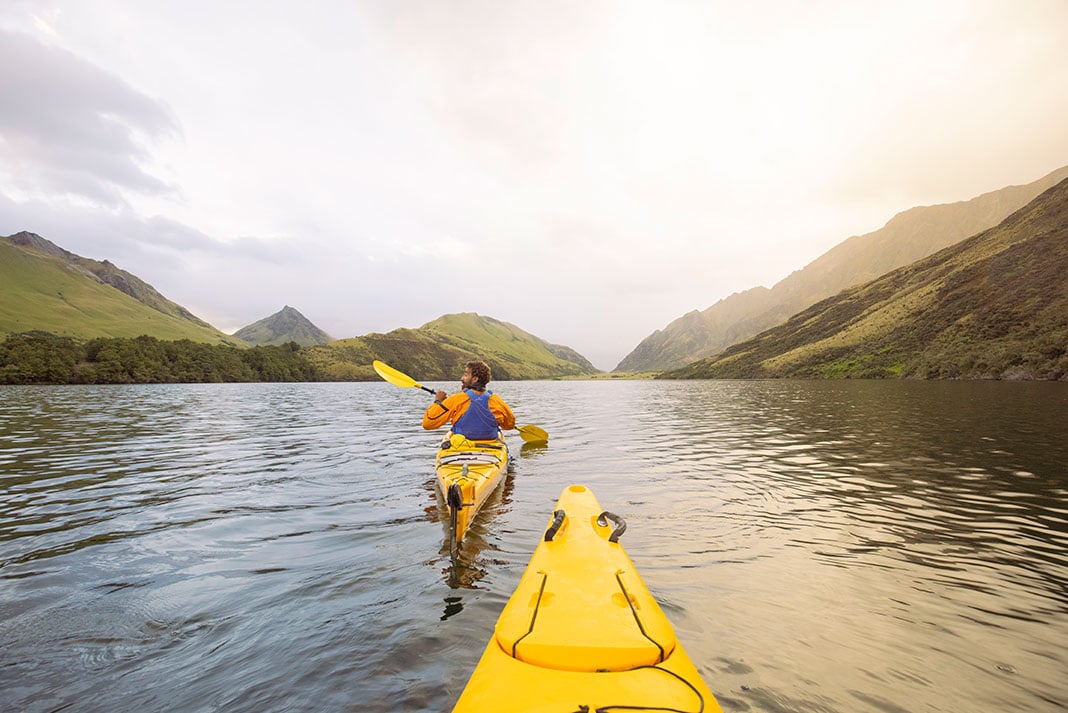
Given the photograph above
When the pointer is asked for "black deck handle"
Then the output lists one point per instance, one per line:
(558, 520)
(621, 525)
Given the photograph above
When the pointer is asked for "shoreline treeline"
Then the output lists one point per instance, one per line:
(45, 358)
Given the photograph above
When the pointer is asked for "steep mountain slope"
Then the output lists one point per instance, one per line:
(992, 306)
(284, 326)
(109, 274)
(437, 351)
(909, 236)
(46, 288)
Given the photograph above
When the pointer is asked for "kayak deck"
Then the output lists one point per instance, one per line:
(582, 629)
(468, 472)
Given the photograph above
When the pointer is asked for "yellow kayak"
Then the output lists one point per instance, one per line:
(467, 472)
(581, 632)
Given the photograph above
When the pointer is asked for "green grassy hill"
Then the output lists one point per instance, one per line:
(42, 290)
(506, 344)
(994, 306)
(437, 351)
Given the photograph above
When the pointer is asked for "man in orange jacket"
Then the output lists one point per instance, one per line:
(474, 412)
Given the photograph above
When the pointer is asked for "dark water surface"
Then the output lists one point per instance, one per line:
(830, 547)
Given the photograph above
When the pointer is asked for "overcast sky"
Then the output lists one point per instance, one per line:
(588, 171)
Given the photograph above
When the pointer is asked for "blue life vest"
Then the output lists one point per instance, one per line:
(478, 422)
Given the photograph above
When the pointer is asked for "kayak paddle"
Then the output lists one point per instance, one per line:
(398, 378)
(530, 434)
(533, 434)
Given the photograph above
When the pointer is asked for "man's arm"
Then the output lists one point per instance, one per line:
(504, 415)
(439, 413)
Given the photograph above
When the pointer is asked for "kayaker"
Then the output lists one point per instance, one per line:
(473, 412)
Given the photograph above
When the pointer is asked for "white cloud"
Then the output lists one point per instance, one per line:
(71, 129)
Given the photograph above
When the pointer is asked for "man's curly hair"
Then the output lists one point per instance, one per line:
(481, 371)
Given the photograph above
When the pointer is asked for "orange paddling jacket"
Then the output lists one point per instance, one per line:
(453, 407)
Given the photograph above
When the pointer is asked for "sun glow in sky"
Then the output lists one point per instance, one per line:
(588, 171)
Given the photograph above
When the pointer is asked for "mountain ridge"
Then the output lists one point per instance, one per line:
(438, 349)
(910, 235)
(109, 274)
(46, 288)
(993, 306)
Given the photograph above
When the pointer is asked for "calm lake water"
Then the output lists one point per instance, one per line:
(818, 546)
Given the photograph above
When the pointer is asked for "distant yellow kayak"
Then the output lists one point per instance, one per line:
(467, 472)
(581, 632)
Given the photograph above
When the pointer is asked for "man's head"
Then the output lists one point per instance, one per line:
(476, 375)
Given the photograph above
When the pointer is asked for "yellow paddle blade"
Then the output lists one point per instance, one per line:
(392, 375)
(533, 434)
(397, 378)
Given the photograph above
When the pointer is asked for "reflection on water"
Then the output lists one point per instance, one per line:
(819, 546)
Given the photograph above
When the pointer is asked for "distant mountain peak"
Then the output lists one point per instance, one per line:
(285, 325)
(34, 241)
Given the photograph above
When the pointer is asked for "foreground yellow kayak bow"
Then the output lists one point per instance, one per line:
(530, 434)
(582, 631)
